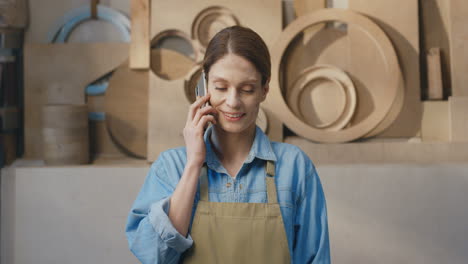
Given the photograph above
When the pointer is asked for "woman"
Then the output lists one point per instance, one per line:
(231, 195)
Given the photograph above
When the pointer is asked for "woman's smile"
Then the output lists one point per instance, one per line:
(233, 116)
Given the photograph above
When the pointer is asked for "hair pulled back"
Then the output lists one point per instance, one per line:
(243, 42)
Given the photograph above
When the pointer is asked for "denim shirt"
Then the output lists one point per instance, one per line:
(153, 239)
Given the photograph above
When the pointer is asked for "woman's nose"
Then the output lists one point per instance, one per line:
(232, 98)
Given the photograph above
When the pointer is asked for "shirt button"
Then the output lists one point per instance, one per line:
(240, 186)
(228, 184)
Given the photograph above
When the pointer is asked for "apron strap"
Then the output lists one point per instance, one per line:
(270, 182)
(269, 179)
(204, 184)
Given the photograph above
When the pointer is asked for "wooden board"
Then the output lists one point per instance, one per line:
(126, 105)
(458, 46)
(435, 123)
(435, 32)
(434, 75)
(458, 118)
(262, 16)
(140, 44)
(399, 19)
(59, 73)
(383, 93)
(14, 14)
(45, 17)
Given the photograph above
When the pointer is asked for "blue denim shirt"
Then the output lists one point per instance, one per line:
(153, 239)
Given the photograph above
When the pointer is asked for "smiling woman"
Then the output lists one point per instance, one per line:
(230, 195)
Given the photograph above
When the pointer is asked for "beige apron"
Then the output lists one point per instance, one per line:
(238, 232)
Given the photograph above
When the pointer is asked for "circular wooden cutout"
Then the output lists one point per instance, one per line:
(170, 65)
(209, 22)
(126, 106)
(386, 96)
(324, 97)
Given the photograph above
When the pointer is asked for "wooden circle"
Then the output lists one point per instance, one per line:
(388, 95)
(209, 22)
(65, 134)
(340, 80)
(170, 65)
(126, 106)
(191, 82)
(171, 34)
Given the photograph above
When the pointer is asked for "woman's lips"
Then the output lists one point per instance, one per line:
(233, 116)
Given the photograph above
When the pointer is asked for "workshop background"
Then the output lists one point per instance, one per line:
(374, 91)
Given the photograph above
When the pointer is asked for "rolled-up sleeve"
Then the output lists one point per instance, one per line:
(151, 236)
(311, 224)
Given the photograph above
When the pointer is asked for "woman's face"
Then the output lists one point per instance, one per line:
(236, 93)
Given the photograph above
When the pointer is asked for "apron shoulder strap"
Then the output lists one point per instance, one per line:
(270, 169)
(204, 184)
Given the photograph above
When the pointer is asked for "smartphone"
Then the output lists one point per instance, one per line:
(201, 89)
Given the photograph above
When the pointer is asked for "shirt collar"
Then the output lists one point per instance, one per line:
(261, 148)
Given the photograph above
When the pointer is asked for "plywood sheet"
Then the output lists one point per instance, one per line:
(126, 105)
(140, 44)
(435, 32)
(399, 19)
(264, 17)
(434, 75)
(458, 46)
(44, 17)
(435, 125)
(458, 118)
(59, 73)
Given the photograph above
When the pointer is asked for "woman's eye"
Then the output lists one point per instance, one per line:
(220, 88)
(248, 91)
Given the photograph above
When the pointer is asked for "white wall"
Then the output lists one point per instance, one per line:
(377, 213)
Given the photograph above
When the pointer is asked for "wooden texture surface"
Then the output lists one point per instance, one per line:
(435, 124)
(435, 32)
(383, 95)
(434, 75)
(65, 134)
(262, 16)
(59, 73)
(170, 65)
(14, 13)
(140, 43)
(399, 20)
(459, 47)
(126, 107)
(458, 118)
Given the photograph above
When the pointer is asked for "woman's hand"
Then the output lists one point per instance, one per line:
(197, 121)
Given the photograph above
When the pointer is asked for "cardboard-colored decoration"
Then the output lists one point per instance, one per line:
(140, 44)
(435, 125)
(170, 65)
(126, 105)
(458, 118)
(434, 75)
(384, 94)
(399, 20)
(264, 17)
(458, 48)
(59, 73)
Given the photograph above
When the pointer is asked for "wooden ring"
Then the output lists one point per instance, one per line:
(368, 123)
(341, 80)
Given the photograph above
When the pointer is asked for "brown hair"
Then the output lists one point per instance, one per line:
(243, 42)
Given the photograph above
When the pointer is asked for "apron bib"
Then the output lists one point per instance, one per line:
(238, 232)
